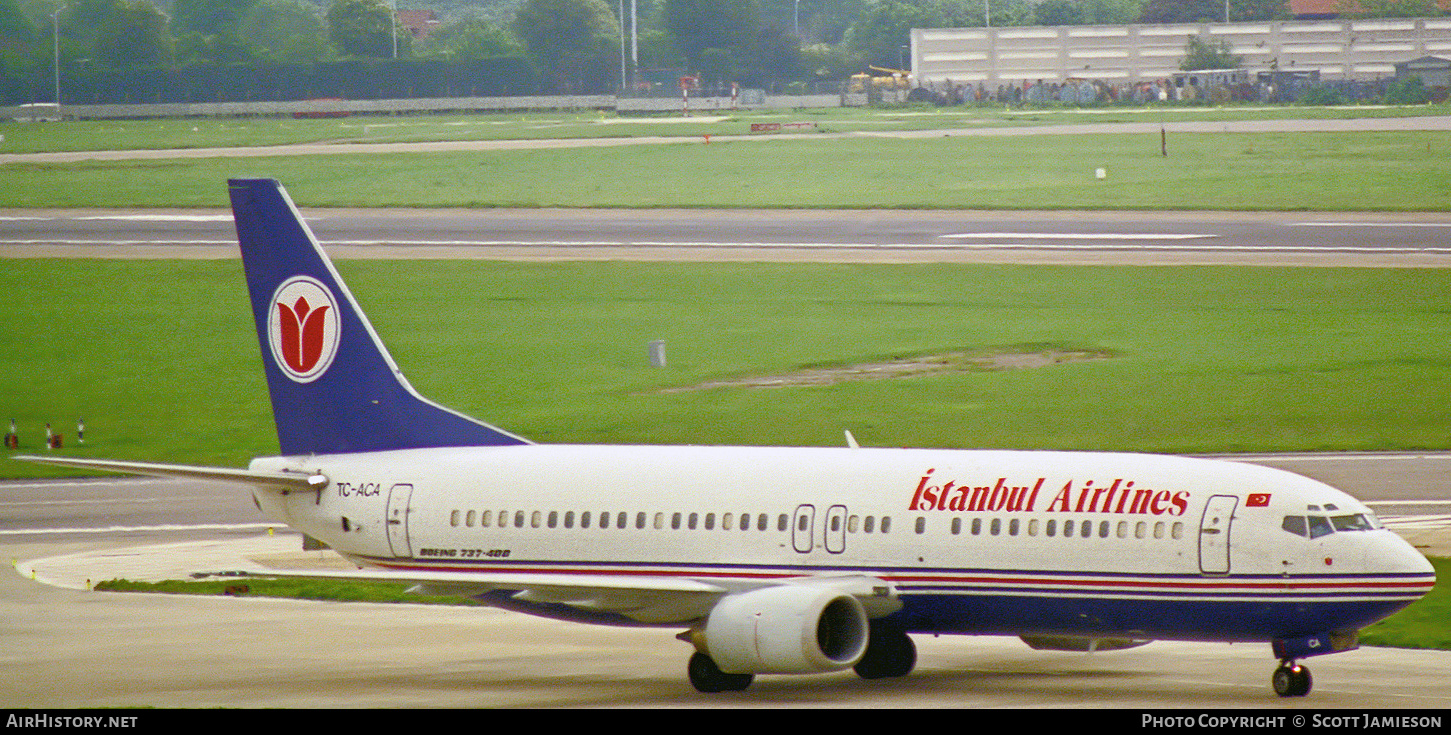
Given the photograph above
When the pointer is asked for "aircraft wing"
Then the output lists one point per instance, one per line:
(642, 599)
(267, 480)
(647, 600)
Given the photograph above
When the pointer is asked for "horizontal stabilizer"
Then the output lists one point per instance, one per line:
(276, 480)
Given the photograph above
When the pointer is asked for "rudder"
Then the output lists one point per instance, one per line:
(334, 387)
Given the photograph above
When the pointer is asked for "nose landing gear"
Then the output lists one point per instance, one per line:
(1291, 679)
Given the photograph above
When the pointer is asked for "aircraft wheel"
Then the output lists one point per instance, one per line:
(890, 652)
(705, 676)
(1291, 680)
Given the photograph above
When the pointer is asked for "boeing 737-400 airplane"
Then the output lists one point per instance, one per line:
(783, 560)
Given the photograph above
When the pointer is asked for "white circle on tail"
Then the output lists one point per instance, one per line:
(303, 328)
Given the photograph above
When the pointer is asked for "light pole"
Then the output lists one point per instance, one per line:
(55, 36)
(987, 14)
(623, 88)
(393, 24)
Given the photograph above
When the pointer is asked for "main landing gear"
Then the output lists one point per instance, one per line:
(1291, 679)
(890, 652)
(706, 677)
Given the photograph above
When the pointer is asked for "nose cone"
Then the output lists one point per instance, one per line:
(1391, 554)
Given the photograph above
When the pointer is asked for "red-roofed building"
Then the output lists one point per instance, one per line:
(1316, 9)
(418, 22)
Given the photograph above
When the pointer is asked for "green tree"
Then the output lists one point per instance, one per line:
(1391, 9)
(208, 17)
(574, 43)
(1111, 12)
(1058, 13)
(823, 62)
(285, 30)
(883, 34)
(1212, 11)
(15, 28)
(361, 28)
(775, 58)
(80, 19)
(473, 38)
(729, 26)
(827, 22)
(1201, 55)
(134, 34)
(1408, 91)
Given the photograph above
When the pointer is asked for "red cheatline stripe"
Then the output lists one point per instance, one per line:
(1040, 581)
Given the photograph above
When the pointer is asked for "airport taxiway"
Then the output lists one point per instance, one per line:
(68, 648)
(63, 646)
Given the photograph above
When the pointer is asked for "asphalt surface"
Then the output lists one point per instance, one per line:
(63, 646)
(1141, 238)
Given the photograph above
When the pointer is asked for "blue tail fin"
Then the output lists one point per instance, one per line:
(334, 386)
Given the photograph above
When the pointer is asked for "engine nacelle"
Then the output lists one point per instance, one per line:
(787, 629)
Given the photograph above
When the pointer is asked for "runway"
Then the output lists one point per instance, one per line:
(1136, 238)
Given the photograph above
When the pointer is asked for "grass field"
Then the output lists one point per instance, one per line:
(1310, 171)
(1230, 171)
(85, 135)
(161, 360)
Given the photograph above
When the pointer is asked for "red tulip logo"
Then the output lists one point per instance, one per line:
(303, 328)
(301, 336)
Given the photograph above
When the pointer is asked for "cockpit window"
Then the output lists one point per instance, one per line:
(1295, 525)
(1317, 526)
(1353, 522)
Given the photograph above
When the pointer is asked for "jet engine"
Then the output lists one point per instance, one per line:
(786, 629)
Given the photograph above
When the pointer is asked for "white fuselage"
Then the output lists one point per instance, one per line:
(972, 541)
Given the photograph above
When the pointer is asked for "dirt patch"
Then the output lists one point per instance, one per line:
(911, 367)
